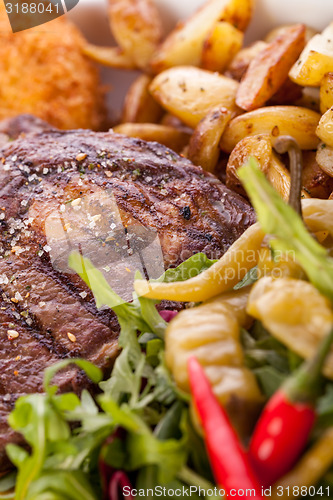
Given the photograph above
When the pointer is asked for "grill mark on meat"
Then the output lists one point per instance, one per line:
(151, 185)
(45, 339)
(73, 285)
(56, 311)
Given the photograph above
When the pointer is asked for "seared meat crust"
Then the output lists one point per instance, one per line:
(53, 311)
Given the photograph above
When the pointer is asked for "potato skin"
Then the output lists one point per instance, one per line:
(325, 127)
(326, 93)
(220, 46)
(139, 106)
(315, 61)
(315, 180)
(258, 146)
(240, 63)
(137, 28)
(184, 44)
(298, 122)
(43, 72)
(190, 93)
(269, 69)
(204, 146)
(171, 137)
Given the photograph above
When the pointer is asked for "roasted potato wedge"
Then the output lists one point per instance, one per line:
(316, 180)
(220, 47)
(315, 61)
(325, 128)
(272, 35)
(139, 105)
(172, 121)
(269, 69)
(113, 57)
(279, 176)
(171, 137)
(204, 146)
(324, 158)
(326, 93)
(260, 147)
(190, 93)
(184, 45)
(239, 13)
(300, 123)
(137, 28)
(240, 63)
(289, 93)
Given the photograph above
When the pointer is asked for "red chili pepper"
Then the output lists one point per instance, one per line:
(229, 461)
(283, 429)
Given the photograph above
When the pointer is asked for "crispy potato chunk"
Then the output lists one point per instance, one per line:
(325, 128)
(289, 93)
(139, 106)
(190, 93)
(240, 63)
(184, 45)
(298, 122)
(260, 147)
(220, 47)
(44, 72)
(137, 28)
(113, 57)
(239, 13)
(315, 61)
(269, 69)
(316, 180)
(171, 137)
(324, 158)
(272, 35)
(326, 93)
(204, 147)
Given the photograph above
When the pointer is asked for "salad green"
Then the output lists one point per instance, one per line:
(138, 421)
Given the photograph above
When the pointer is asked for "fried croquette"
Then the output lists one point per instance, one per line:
(43, 71)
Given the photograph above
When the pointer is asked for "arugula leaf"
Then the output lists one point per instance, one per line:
(143, 447)
(41, 420)
(270, 379)
(290, 234)
(64, 485)
(7, 485)
(250, 277)
(188, 269)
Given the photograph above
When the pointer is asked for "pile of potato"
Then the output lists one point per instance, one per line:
(200, 92)
(206, 96)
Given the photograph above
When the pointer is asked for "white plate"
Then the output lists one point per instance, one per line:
(91, 17)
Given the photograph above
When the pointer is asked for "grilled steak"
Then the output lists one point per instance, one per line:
(120, 201)
(23, 124)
